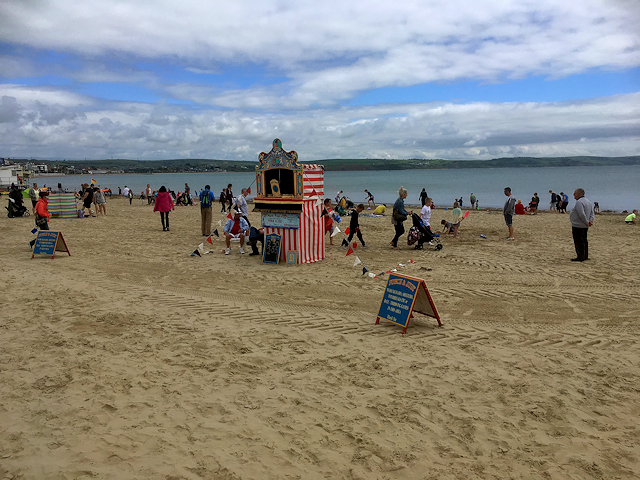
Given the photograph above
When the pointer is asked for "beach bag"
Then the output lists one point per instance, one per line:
(399, 217)
(41, 221)
(413, 236)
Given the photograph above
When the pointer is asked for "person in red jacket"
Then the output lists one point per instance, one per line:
(520, 210)
(42, 214)
(164, 204)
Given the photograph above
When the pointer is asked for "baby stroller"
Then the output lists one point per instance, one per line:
(421, 233)
(17, 210)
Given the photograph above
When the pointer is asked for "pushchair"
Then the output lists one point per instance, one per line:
(17, 209)
(421, 233)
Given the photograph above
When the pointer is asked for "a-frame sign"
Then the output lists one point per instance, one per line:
(404, 295)
(48, 242)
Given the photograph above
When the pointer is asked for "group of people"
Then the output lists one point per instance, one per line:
(581, 217)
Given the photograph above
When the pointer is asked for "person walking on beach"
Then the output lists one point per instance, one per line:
(206, 202)
(472, 200)
(423, 197)
(554, 200)
(41, 213)
(100, 202)
(400, 214)
(164, 204)
(338, 195)
(354, 227)
(228, 196)
(149, 194)
(187, 194)
(581, 218)
(327, 213)
(87, 199)
(509, 210)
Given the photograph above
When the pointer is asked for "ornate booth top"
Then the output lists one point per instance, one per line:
(278, 158)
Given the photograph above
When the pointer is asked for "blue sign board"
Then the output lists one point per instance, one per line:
(48, 242)
(402, 296)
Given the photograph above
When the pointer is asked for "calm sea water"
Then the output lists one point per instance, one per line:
(615, 188)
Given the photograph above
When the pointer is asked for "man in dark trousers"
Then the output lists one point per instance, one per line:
(581, 218)
(354, 227)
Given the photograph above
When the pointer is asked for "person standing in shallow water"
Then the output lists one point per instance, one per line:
(423, 197)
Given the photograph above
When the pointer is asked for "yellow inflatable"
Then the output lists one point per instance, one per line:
(380, 209)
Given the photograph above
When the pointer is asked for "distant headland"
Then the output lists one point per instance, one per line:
(337, 164)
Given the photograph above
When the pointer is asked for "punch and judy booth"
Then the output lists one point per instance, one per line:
(289, 198)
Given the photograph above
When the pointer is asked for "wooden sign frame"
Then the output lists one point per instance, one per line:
(48, 242)
(402, 296)
(272, 242)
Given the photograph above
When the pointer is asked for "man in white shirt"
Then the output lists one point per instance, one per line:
(241, 204)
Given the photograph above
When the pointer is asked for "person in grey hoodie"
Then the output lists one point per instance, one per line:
(509, 210)
(581, 218)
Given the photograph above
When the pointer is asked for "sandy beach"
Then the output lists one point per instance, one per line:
(130, 359)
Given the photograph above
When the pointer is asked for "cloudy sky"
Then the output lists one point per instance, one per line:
(456, 79)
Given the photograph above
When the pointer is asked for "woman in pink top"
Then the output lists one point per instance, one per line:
(164, 204)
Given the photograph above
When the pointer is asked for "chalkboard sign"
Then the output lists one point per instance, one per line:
(402, 296)
(48, 242)
(271, 250)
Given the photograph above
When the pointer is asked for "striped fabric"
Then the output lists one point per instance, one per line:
(313, 180)
(308, 240)
(63, 205)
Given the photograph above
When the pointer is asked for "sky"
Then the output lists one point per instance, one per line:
(456, 79)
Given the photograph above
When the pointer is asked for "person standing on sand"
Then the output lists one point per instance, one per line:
(164, 204)
(148, 193)
(228, 194)
(472, 200)
(33, 195)
(399, 212)
(581, 218)
(206, 201)
(509, 210)
(554, 200)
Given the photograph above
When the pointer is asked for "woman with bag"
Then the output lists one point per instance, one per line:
(42, 214)
(399, 216)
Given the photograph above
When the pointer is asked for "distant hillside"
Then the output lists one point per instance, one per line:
(337, 164)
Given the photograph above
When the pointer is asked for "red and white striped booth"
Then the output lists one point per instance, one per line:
(289, 196)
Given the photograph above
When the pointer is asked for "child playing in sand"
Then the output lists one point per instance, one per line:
(631, 218)
(328, 220)
(354, 227)
(448, 227)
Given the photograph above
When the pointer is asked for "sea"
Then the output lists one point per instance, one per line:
(615, 188)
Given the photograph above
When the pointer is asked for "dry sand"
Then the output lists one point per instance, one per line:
(130, 359)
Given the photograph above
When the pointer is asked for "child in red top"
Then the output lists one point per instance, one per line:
(328, 220)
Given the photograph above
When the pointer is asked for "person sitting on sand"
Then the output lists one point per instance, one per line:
(520, 209)
(380, 209)
(631, 218)
(447, 226)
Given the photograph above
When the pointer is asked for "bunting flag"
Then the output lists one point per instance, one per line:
(229, 216)
(201, 247)
(196, 252)
(34, 230)
(349, 252)
(215, 232)
(249, 190)
(347, 231)
(336, 231)
(372, 275)
(209, 240)
(358, 261)
(94, 182)
(364, 270)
